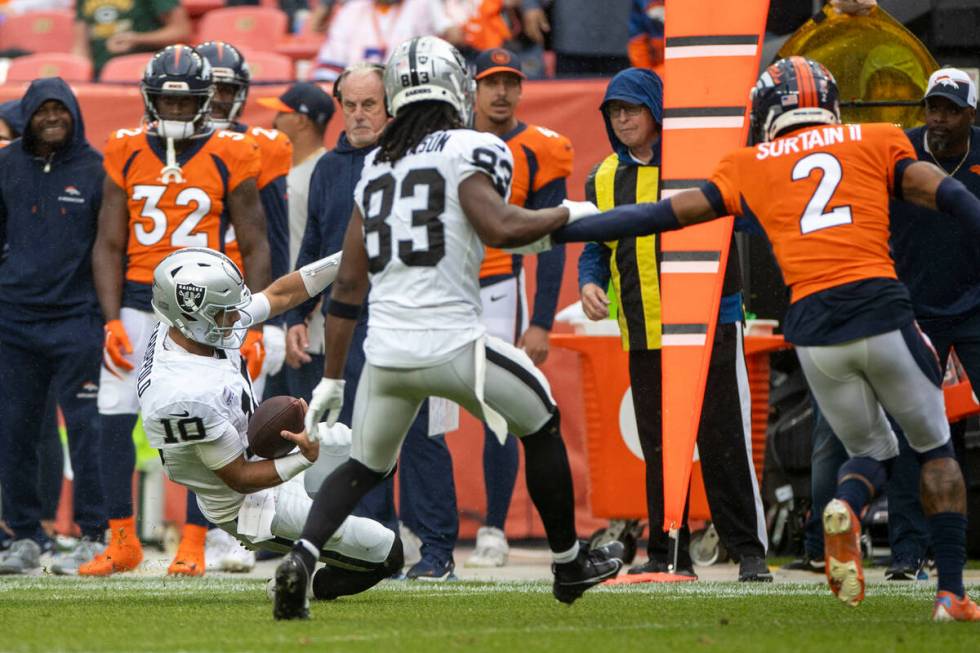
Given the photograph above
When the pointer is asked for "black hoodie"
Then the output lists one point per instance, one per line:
(48, 216)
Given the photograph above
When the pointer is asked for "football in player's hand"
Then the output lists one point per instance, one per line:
(274, 415)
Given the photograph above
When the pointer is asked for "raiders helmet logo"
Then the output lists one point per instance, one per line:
(190, 297)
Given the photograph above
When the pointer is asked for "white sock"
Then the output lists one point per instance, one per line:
(565, 556)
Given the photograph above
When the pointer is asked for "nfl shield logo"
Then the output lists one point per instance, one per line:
(190, 297)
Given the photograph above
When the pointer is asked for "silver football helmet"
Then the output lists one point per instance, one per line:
(201, 293)
(428, 68)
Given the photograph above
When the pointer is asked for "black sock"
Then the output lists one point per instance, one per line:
(336, 499)
(948, 533)
(855, 492)
(549, 482)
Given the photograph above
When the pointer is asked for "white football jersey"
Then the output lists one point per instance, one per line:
(188, 400)
(423, 254)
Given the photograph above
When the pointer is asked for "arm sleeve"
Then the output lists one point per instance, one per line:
(221, 451)
(593, 265)
(629, 220)
(551, 263)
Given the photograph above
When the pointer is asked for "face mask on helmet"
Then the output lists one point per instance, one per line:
(202, 294)
(177, 92)
(231, 77)
(224, 114)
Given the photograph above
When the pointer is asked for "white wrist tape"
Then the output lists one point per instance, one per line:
(291, 465)
(320, 274)
(258, 309)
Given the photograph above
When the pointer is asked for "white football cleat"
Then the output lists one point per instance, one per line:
(491, 548)
(222, 552)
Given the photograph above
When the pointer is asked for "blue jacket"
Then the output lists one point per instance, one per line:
(48, 215)
(331, 202)
(637, 86)
(10, 113)
(938, 258)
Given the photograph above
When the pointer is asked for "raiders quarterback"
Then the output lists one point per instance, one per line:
(196, 398)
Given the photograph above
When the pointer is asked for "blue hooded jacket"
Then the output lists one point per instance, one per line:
(331, 202)
(643, 87)
(48, 216)
(10, 114)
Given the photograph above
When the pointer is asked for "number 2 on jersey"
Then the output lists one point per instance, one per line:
(183, 235)
(814, 217)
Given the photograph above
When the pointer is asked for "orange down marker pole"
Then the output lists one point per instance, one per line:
(711, 62)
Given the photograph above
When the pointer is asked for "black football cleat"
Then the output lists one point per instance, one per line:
(291, 600)
(753, 569)
(589, 569)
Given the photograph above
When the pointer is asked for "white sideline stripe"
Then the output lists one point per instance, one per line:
(683, 340)
(689, 51)
(689, 267)
(704, 122)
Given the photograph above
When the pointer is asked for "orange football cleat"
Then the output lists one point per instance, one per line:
(949, 607)
(189, 560)
(842, 551)
(123, 553)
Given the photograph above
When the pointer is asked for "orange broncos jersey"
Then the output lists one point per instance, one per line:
(821, 194)
(540, 157)
(276, 158)
(165, 217)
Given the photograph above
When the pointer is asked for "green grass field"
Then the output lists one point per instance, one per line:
(223, 614)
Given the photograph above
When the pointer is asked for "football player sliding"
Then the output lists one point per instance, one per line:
(820, 189)
(174, 183)
(196, 398)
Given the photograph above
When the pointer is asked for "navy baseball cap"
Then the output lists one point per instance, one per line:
(305, 98)
(954, 85)
(497, 60)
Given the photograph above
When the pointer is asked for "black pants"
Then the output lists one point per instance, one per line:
(724, 437)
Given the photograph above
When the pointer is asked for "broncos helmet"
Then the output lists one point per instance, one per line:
(177, 70)
(427, 68)
(227, 67)
(793, 91)
(194, 289)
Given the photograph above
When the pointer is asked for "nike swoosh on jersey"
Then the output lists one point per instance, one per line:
(494, 298)
(186, 413)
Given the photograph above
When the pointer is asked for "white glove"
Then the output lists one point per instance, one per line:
(334, 440)
(542, 244)
(579, 210)
(274, 340)
(327, 400)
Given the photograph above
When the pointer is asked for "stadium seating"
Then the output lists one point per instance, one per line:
(127, 68)
(258, 28)
(38, 31)
(269, 66)
(69, 67)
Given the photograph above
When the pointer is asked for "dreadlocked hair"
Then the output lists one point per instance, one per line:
(412, 124)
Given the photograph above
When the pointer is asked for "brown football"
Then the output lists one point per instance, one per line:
(275, 414)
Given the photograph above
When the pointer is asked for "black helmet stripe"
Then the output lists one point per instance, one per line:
(413, 61)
